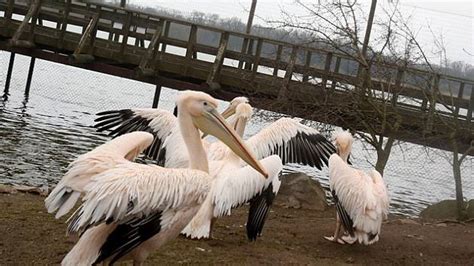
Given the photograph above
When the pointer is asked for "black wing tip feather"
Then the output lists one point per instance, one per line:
(128, 236)
(346, 220)
(259, 209)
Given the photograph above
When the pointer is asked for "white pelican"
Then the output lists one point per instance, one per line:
(287, 138)
(162, 124)
(361, 199)
(131, 209)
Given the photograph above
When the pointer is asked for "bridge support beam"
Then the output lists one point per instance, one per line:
(6, 91)
(156, 98)
(30, 76)
(32, 14)
(87, 39)
(214, 74)
(283, 93)
(151, 52)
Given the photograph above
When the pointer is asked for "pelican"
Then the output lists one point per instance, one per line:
(132, 209)
(361, 198)
(162, 124)
(287, 138)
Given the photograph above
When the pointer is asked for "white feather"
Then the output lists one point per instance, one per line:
(233, 186)
(102, 158)
(363, 196)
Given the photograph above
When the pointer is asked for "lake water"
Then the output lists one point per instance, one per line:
(42, 134)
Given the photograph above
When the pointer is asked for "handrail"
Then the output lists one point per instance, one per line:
(299, 61)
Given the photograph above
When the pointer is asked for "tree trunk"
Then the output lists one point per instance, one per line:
(458, 181)
(383, 153)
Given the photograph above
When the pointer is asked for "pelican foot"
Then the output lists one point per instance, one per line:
(331, 238)
(348, 239)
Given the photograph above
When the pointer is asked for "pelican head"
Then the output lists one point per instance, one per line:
(231, 109)
(243, 112)
(201, 108)
(343, 144)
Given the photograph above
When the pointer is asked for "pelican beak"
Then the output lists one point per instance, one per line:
(229, 111)
(239, 126)
(212, 123)
(226, 114)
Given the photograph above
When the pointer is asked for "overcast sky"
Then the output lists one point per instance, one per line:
(453, 19)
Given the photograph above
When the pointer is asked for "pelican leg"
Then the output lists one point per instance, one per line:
(213, 221)
(337, 233)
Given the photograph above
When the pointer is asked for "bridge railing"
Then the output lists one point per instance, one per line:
(147, 40)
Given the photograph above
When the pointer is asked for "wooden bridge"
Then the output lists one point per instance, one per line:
(311, 83)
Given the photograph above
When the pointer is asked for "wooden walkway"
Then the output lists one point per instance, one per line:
(301, 81)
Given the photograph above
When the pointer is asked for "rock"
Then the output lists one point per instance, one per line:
(442, 225)
(7, 189)
(299, 191)
(445, 210)
(42, 191)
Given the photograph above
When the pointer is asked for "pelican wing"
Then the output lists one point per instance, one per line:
(247, 185)
(133, 191)
(293, 142)
(258, 212)
(381, 193)
(358, 202)
(66, 193)
(156, 121)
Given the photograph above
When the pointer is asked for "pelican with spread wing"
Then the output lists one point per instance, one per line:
(292, 141)
(361, 198)
(131, 209)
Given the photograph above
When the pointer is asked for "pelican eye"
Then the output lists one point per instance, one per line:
(205, 103)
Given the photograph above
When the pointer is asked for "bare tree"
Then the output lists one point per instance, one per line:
(337, 25)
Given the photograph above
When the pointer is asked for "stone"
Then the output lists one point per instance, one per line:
(42, 191)
(6, 189)
(299, 191)
(446, 210)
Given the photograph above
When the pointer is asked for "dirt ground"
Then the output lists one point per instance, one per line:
(29, 235)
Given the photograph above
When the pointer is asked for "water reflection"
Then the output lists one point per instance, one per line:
(42, 133)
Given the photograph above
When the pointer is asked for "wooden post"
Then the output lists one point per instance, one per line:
(397, 86)
(30, 76)
(9, 11)
(165, 34)
(156, 98)
(251, 15)
(277, 61)
(248, 65)
(86, 39)
(125, 32)
(257, 58)
(432, 98)
(283, 93)
(336, 71)
(152, 50)
(327, 69)
(471, 106)
(31, 14)
(246, 42)
(214, 74)
(64, 23)
(6, 92)
(190, 48)
(306, 66)
(369, 28)
(460, 94)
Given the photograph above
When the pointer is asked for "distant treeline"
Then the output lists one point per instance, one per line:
(457, 68)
